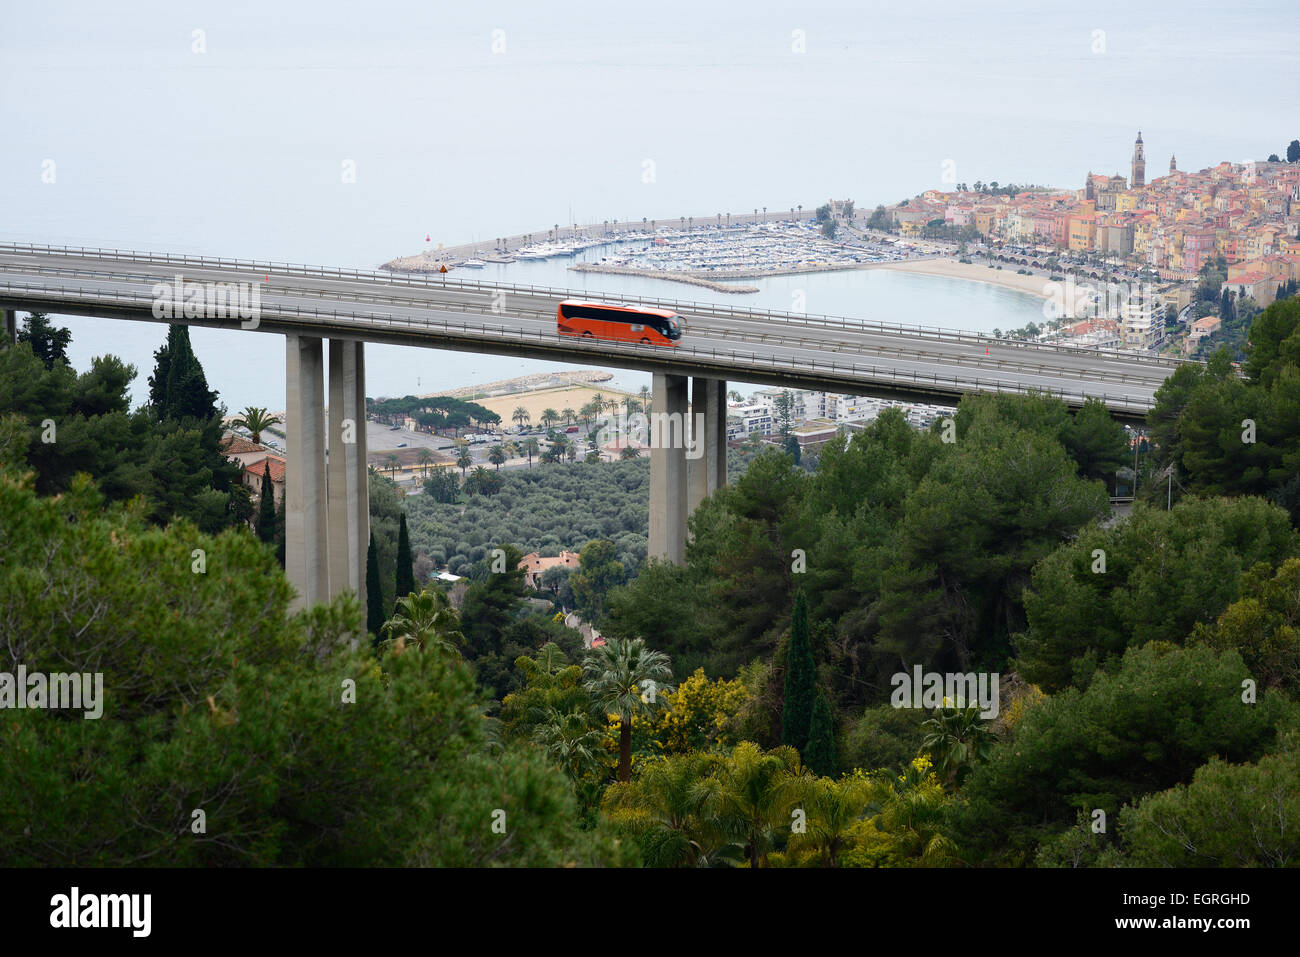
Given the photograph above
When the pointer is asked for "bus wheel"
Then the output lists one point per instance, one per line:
(587, 335)
(645, 341)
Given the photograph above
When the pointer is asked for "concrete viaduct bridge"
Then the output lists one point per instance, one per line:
(327, 502)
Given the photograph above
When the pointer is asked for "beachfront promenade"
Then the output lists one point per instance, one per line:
(327, 510)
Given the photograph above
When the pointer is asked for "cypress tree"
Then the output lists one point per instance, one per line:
(185, 392)
(266, 507)
(405, 566)
(375, 616)
(800, 679)
(279, 532)
(158, 381)
(819, 753)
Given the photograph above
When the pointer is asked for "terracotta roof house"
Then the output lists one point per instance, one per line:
(242, 450)
(254, 458)
(533, 565)
(252, 477)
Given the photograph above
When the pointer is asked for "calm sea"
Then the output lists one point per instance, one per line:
(227, 129)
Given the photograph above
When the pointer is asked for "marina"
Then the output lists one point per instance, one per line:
(707, 255)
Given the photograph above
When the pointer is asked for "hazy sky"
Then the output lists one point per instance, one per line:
(472, 120)
(240, 148)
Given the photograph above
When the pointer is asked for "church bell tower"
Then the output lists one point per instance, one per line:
(1139, 177)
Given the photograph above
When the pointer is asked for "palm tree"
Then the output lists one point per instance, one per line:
(629, 452)
(426, 459)
(479, 482)
(512, 449)
(497, 455)
(626, 678)
(598, 403)
(957, 739)
(393, 464)
(570, 741)
(752, 795)
(426, 620)
(645, 398)
(629, 405)
(833, 808)
(911, 808)
(256, 420)
(568, 414)
(550, 417)
(664, 806)
(521, 416)
(463, 462)
(530, 446)
(611, 404)
(571, 451)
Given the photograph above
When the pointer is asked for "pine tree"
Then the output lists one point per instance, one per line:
(819, 753)
(48, 341)
(375, 616)
(405, 566)
(800, 679)
(266, 507)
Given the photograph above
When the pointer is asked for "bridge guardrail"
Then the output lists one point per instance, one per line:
(377, 297)
(881, 376)
(327, 272)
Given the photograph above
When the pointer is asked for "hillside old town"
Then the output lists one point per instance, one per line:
(1233, 226)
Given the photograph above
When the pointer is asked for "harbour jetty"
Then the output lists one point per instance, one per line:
(670, 276)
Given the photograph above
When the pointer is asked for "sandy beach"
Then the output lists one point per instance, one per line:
(1007, 277)
(574, 397)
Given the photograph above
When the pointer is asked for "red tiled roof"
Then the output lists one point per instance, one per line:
(237, 445)
(277, 469)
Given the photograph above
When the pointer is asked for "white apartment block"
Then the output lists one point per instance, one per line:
(1142, 323)
(744, 420)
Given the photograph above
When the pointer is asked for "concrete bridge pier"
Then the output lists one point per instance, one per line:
(327, 495)
(306, 523)
(11, 325)
(668, 470)
(678, 484)
(349, 499)
(708, 473)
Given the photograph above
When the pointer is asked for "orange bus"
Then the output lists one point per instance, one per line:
(618, 323)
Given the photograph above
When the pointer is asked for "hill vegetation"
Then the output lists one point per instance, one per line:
(1145, 667)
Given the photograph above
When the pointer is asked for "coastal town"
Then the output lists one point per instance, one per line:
(1176, 265)
(1168, 235)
